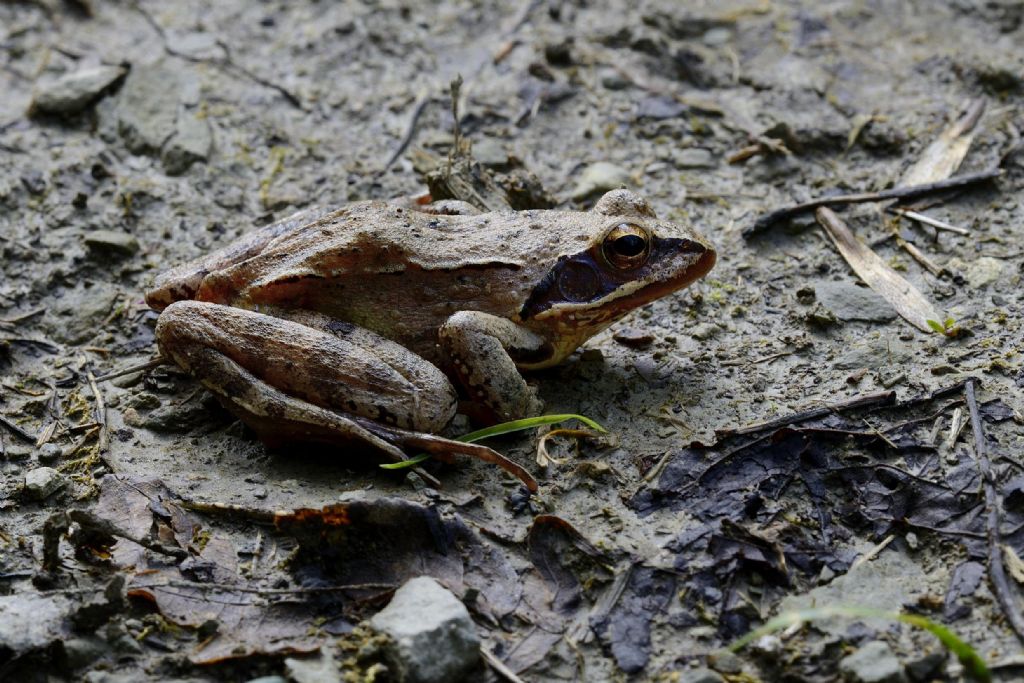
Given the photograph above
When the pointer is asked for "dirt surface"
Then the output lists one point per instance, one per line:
(641, 554)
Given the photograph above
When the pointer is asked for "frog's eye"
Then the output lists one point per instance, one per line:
(627, 246)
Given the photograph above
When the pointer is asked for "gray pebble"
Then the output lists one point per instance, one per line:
(873, 662)
(432, 638)
(42, 482)
(76, 91)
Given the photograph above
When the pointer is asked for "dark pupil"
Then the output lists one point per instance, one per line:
(630, 245)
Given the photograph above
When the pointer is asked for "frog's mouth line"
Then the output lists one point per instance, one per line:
(579, 283)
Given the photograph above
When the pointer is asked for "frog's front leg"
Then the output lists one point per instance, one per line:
(483, 350)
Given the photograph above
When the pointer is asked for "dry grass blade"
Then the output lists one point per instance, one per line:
(943, 156)
(869, 266)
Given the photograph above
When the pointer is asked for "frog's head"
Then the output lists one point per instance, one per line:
(632, 259)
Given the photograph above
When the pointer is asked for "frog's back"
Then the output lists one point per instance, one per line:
(395, 271)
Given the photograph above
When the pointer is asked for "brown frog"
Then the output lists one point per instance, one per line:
(347, 323)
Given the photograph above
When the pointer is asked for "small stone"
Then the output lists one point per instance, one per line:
(874, 354)
(873, 662)
(268, 679)
(717, 36)
(725, 661)
(321, 669)
(704, 331)
(49, 452)
(600, 177)
(633, 338)
(491, 153)
(147, 107)
(927, 668)
(190, 143)
(701, 675)
(983, 271)
(912, 540)
(76, 91)
(613, 80)
(432, 638)
(659, 107)
(112, 241)
(850, 302)
(42, 482)
(34, 182)
(825, 575)
(695, 157)
(768, 646)
(81, 652)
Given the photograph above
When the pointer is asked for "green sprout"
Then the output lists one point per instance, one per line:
(947, 327)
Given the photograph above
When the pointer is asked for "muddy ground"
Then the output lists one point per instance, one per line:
(642, 553)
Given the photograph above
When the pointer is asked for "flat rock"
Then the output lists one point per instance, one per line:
(76, 91)
(31, 621)
(701, 675)
(885, 583)
(112, 241)
(873, 662)
(42, 482)
(695, 157)
(321, 669)
(874, 354)
(147, 108)
(432, 638)
(600, 177)
(850, 302)
(191, 142)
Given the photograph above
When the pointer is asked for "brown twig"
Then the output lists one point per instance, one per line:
(996, 569)
(17, 431)
(905, 192)
(410, 130)
(928, 220)
(499, 666)
(862, 401)
(226, 63)
(131, 370)
(100, 412)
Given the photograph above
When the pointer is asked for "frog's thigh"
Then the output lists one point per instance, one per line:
(360, 374)
(481, 348)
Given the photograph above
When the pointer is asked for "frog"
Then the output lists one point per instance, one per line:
(367, 322)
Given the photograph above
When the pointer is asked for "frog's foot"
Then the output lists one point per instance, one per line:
(483, 350)
(439, 446)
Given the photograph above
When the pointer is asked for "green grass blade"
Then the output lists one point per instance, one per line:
(411, 462)
(526, 423)
(498, 429)
(973, 663)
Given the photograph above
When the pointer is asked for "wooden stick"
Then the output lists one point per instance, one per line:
(928, 220)
(499, 666)
(861, 401)
(100, 412)
(996, 570)
(17, 431)
(156, 362)
(908, 192)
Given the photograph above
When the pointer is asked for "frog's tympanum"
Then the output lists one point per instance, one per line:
(348, 323)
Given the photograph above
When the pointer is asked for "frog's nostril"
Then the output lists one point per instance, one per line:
(692, 247)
